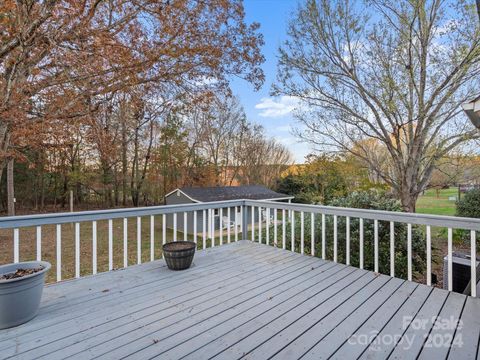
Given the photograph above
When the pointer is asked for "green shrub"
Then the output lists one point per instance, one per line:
(469, 205)
(378, 200)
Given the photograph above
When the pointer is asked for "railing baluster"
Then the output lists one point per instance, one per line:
(139, 240)
(361, 243)
(174, 226)
(59, 252)
(335, 238)
(473, 264)
(110, 244)
(260, 224)
(324, 250)
(252, 213)
(209, 223)
(125, 242)
(152, 238)
(195, 229)
(185, 226)
(392, 249)
(409, 251)
(16, 245)
(284, 229)
(347, 239)
(164, 229)
(302, 232)
(450, 259)
(293, 230)
(220, 215)
(212, 224)
(312, 235)
(236, 221)
(267, 226)
(204, 229)
(94, 247)
(39, 243)
(228, 224)
(375, 245)
(77, 250)
(429, 255)
(275, 227)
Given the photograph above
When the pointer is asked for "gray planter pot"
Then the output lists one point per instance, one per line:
(20, 297)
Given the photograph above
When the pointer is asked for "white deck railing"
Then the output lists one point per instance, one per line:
(210, 227)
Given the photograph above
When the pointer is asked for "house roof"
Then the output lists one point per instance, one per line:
(219, 193)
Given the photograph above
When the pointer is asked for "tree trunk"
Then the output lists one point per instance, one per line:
(124, 161)
(408, 200)
(133, 182)
(42, 184)
(115, 184)
(10, 188)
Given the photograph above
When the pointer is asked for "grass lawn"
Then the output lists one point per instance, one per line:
(430, 203)
(439, 204)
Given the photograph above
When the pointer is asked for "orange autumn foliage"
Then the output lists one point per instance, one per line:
(58, 58)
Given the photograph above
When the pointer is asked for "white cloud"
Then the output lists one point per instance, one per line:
(278, 107)
(205, 81)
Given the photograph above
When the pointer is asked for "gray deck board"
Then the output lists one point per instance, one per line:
(128, 335)
(420, 325)
(232, 332)
(384, 342)
(242, 300)
(439, 341)
(338, 333)
(468, 333)
(161, 306)
(256, 340)
(132, 294)
(361, 322)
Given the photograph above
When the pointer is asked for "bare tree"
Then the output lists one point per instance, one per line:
(260, 159)
(395, 72)
(218, 128)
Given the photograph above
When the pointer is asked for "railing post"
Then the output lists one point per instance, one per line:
(244, 222)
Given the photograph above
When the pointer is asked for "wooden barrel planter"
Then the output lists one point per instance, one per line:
(179, 254)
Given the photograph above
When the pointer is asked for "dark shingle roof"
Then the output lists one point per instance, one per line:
(219, 193)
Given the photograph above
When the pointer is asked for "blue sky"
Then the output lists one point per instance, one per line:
(273, 113)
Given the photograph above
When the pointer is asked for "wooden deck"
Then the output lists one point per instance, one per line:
(246, 300)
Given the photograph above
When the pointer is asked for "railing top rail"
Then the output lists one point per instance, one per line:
(8, 222)
(412, 218)
(81, 216)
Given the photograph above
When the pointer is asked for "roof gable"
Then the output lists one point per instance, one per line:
(220, 193)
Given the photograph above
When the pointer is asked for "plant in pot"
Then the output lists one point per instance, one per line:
(21, 287)
(179, 254)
